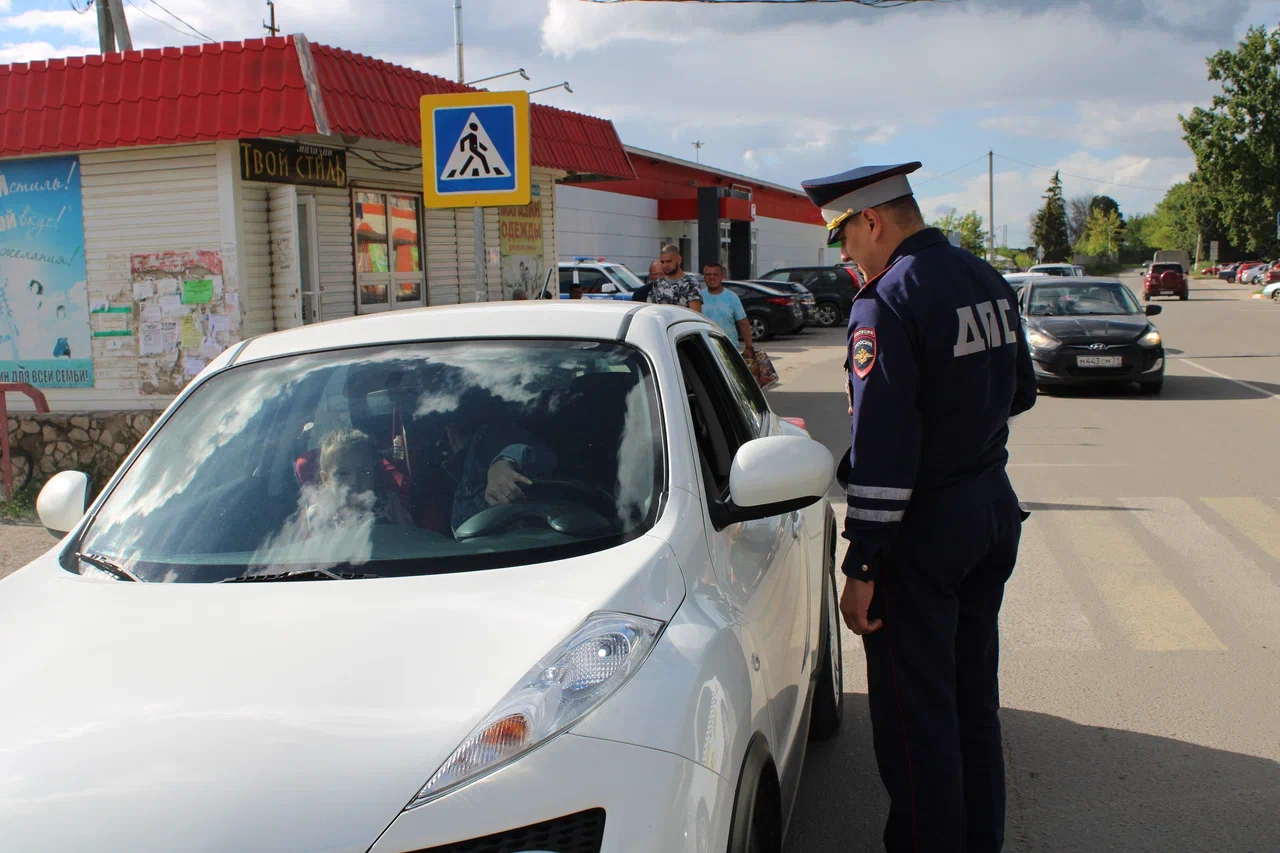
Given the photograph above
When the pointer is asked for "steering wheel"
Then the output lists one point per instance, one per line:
(575, 518)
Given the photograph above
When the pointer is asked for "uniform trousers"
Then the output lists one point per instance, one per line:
(932, 671)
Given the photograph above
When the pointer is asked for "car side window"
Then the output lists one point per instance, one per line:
(742, 385)
(718, 425)
(591, 279)
(829, 277)
(566, 280)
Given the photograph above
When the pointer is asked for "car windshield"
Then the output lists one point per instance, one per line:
(390, 461)
(626, 277)
(1062, 299)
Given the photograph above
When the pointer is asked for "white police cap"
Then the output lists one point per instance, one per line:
(843, 195)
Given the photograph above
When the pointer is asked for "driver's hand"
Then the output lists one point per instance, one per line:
(504, 484)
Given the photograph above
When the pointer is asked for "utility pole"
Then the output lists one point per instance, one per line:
(697, 153)
(477, 213)
(991, 208)
(271, 27)
(113, 29)
(457, 37)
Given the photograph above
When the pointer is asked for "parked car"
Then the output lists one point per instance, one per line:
(598, 278)
(807, 301)
(770, 311)
(1165, 279)
(1058, 269)
(832, 288)
(1257, 274)
(1272, 290)
(1208, 270)
(1228, 273)
(226, 648)
(1244, 268)
(1091, 330)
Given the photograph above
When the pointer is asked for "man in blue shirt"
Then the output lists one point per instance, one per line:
(723, 307)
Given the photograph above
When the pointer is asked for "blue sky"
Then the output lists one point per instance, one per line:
(787, 91)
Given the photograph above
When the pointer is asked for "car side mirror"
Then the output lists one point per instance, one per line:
(61, 503)
(777, 474)
(1153, 310)
(608, 287)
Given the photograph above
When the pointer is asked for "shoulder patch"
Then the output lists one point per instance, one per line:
(863, 351)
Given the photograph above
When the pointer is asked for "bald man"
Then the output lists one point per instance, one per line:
(676, 287)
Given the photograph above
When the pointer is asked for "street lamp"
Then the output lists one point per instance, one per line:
(519, 71)
(565, 84)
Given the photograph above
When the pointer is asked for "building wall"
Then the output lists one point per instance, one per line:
(619, 227)
(135, 201)
(781, 243)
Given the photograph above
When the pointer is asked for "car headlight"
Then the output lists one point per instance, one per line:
(1041, 339)
(1150, 338)
(573, 679)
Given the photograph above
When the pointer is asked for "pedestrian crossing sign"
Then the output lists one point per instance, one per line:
(475, 149)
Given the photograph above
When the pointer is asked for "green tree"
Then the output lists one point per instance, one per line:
(1187, 211)
(1103, 234)
(1049, 228)
(1078, 207)
(972, 237)
(1105, 203)
(1236, 141)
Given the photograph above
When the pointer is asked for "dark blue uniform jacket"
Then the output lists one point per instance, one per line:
(938, 363)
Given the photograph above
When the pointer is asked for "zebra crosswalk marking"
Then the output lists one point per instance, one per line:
(1040, 608)
(1149, 610)
(1226, 575)
(1251, 517)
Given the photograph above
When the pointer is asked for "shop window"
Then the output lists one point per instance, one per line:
(389, 251)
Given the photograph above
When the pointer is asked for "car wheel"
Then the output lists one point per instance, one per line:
(760, 330)
(1152, 388)
(757, 807)
(827, 314)
(1184, 295)
(828, 698)
(1146, 297)
(1275, 295)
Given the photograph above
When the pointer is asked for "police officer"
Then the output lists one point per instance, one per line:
(937, 364)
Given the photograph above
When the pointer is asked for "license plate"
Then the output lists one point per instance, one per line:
(1099, 361)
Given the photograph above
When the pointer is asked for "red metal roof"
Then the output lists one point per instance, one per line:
(201, 93)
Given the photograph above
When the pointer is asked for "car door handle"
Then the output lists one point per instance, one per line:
(796, 521)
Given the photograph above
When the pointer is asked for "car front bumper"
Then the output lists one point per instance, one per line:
(1059, 366)
(556, 796)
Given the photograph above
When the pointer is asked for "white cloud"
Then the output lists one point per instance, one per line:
(61, 19)
(32, 51)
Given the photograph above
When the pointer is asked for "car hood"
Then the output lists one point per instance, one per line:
(290, 717)
(1108, 329)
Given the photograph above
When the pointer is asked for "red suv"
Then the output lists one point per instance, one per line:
(1165, 280)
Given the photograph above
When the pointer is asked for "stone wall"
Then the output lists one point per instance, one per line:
(95, 443)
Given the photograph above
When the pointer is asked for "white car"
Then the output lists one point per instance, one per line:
(1272, 291)
(270, 633)
(1069, 270)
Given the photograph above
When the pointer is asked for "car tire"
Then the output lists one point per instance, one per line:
(828, 697)
(1184, 295)
(760, 330)
(757, 806)
(1275, 295)
(827, 314)
(1146, 297)
(1151, 389)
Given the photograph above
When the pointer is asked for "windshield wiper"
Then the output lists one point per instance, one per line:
(100, 562)
(299, 575)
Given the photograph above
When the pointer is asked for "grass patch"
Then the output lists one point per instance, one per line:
(23, 505)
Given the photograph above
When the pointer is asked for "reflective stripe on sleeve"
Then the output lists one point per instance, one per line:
(882, 515)
(880, 493)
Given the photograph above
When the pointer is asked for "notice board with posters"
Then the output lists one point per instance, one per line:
(44, 302)
(520, 230)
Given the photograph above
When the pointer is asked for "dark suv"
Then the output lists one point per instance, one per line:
(832, 288)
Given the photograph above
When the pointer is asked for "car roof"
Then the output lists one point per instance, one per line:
(755, 285)
(591, 319)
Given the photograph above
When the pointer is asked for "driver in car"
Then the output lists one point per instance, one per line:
(496, 459)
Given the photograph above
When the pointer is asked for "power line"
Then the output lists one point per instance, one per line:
(953, 171)
(1083, 178)
(199, 34)
(159, 21)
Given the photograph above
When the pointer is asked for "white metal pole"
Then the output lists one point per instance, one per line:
(477, 213)
(457, 37)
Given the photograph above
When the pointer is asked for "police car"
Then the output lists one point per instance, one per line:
(598, 278)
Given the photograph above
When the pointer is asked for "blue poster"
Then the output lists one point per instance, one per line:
(44, 304)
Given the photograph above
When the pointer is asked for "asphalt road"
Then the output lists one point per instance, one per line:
(1141, 630)
(1140, 673)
